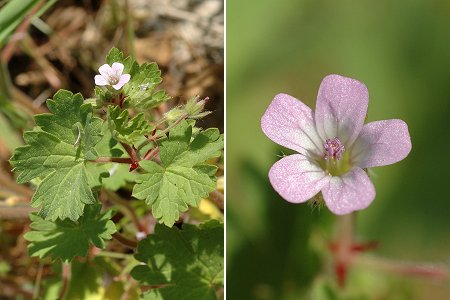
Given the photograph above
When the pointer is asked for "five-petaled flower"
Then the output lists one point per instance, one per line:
(334, 145)
(112, 75)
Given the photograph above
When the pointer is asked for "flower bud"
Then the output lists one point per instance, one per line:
(194, 108)
(173, 114)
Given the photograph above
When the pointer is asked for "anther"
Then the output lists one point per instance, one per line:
(113, 79)
(333, 148)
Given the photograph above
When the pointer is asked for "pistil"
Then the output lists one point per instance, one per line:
(333, 149)
(335, 159)
(113, 79)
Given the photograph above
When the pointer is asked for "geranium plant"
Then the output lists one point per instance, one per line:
(334, 145)
(335, 151)
(84, 150)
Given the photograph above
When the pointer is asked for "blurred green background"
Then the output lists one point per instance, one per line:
(401, 51)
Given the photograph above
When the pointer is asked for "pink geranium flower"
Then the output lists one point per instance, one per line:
(112, 75)
(334, 145)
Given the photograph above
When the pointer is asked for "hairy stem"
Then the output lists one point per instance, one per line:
(151, 153)
(162, 132)
(343, 253)
(347, 252)
(131, 152)
(425, 270)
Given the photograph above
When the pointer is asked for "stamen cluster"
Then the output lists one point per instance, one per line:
(333, 148)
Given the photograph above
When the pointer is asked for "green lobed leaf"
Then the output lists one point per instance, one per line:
(66, 239)
(115, 55)
(56, 151)
(182, 264)
(67, 113)
(184, 178)
(64, 193)
(124, 129)
(140, 90)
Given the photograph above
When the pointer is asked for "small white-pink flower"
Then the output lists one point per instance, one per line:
(112, 75)
(334, 145)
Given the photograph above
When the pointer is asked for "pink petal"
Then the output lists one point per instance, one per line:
(100, 80)
(289, 122)
(341, 108)
(117, 68)
(105, 70)
(297, 179)
(381, 143)
(123, 79)
(350, 192)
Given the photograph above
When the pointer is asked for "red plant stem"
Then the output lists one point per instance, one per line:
(424, 270)
(343, 247)
(66, 275)
(163, 132)
(153, 138)
(124, 241)
(346, 253)
(131, 152)
(121, 99)
(151, 153)
(124, 160)
(362, 247)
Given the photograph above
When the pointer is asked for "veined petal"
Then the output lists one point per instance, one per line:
(297, 179)
(105, 70)
(341, 108)
(350, 192)
(100, 80)
(381, 143)
(289, 122)
(117, 68)
(123, 79)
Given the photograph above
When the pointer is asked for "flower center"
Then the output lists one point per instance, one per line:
(333, 149)
(113, 79)
(335, 160)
